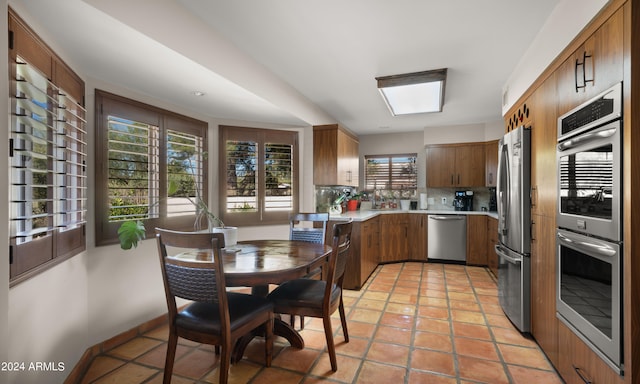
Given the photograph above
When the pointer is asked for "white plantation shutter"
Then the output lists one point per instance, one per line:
(391, 172)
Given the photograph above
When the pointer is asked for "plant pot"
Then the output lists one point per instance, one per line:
(230, 235)
(352, 205)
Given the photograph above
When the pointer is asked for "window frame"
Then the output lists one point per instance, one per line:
(260, 135)
(66, 208)
(108, 103)
(390, 178)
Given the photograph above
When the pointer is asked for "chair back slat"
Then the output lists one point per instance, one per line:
(341, 251)
(315, 234)
(196, 284)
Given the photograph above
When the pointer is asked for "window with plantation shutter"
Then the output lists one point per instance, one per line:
(47, 143)
(391, 172)
(260, 170)
(154, 167)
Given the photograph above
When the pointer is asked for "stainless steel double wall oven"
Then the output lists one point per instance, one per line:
(589, 235)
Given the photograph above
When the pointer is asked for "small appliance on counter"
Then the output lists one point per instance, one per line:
(463, 201)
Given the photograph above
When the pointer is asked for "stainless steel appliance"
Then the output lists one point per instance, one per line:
(463, 201)
(447, 236)
(589, 293)
(589, 167)
(589, 236)
(514, 226)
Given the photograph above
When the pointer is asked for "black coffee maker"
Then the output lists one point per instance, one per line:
(463, 201)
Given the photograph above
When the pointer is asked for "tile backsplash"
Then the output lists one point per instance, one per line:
(480, 198)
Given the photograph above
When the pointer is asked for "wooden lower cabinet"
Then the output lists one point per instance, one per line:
(578, 364)
(544, 324)
(418, 236)
(492, 240)
(394, 236)
(477, 240)
(365, 249)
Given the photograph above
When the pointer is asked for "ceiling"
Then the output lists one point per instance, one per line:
(292, 62)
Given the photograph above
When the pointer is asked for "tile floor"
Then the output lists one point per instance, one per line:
(411, 323)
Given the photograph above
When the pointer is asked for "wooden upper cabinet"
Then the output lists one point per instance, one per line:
(599, 60)
(456, 165)
(335, 156)
(491, 163)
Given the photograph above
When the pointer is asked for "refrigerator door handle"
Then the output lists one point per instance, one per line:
(508, 258)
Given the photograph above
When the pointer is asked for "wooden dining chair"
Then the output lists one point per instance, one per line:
(215, 316)
(320, 298)
(312, 228)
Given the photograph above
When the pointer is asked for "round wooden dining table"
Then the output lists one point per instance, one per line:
(258, 263)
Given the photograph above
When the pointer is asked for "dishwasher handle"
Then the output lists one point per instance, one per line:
(447, 217)
(504, 255)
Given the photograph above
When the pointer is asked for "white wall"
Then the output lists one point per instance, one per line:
(564, 24)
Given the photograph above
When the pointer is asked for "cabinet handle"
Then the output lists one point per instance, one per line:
(533, 230)
(584, 71)
(451, 179)
(458, 179)
(490, 177)
(582, 375)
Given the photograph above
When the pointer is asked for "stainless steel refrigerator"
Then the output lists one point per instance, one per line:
(514, 226)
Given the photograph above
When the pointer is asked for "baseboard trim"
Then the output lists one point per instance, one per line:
(78, 372)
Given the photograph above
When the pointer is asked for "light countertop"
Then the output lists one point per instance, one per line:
(369, 214)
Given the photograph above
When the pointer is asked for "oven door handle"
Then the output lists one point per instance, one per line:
(599, 249)
(597, 134)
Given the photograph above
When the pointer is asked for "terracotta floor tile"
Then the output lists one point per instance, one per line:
(377, 305)
(130, 373)
(511, 336)
(360, 329)
(475, 331)
(529, 357)
(523, 375)
(498, 320)
(397, 320)
(195, 364)
(419, 377)
(276, 375)
(433, 302)
(134, 348)
(100, 366)
(433, 361)
(364, 315)
(433, 312)
(347, 368)
(293, 359)
(476, 348)
(375, 373)
(464, 305)
(356, 347)
(393, 335)
(482, 370)
(467, 316)
(463, 296)
(239, 373)
(435, 341)
(157, 356)
(403, 309)
(388, 353)
(433, 325)
(450, 343)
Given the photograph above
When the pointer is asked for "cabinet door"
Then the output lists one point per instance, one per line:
(394, 233)
(370, 259)
(544, 324)
(578, 364)
(544, 179)
(492, 240)
(418, 236)
(347, 160)
(441, 166)
(491, 163)
(477, 240)
(602, 55)
(470, 166)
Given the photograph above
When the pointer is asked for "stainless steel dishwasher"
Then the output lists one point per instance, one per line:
(447, 237)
